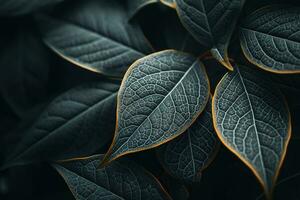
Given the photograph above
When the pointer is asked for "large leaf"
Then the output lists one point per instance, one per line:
(20, 7)
(119, 180)
(211, 22)
(186, 156)
(77, 123)
(84, 35)
(270, 39)
(160, 96)
(253, 121)
(21, 73)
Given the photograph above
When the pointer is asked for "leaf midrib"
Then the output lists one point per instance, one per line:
(62, 125)
(88, 180)
(175, 86)
(96, 33)
(254, 121)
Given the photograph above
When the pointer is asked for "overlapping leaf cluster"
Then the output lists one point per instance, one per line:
(88, 86)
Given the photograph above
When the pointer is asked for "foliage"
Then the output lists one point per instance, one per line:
(135, 99)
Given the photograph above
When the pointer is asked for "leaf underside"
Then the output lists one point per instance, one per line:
(270, 39)
(252, 120)
(160, 96)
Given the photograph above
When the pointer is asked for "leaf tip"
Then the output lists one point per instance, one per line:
(222, 58)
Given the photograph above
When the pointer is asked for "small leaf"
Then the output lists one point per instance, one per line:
(120, 180)
(77, 123)
(211, 22)
(160, 96)
(85, 36)
(186, 156)
(270, 39)
(253, 121)
(21, 7)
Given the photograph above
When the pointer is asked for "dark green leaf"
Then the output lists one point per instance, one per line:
(270, 39)
(253, 121)
(77, 123)
(120, 180)
(160, 96)
(211, 22)
(186, 156)
(87, 37)
(21, 7)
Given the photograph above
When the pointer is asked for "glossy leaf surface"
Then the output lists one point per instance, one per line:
(160, 96)
(120, 180)
(270, 38)
(253, 121)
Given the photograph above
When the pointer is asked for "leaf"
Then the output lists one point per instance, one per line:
(270, 39)
(160, 96)
(185, 157)
(119, 180)
(21, 7)
(252, 120)
(77, 123)
(21, 73)
(211, 22)
(85, 36)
